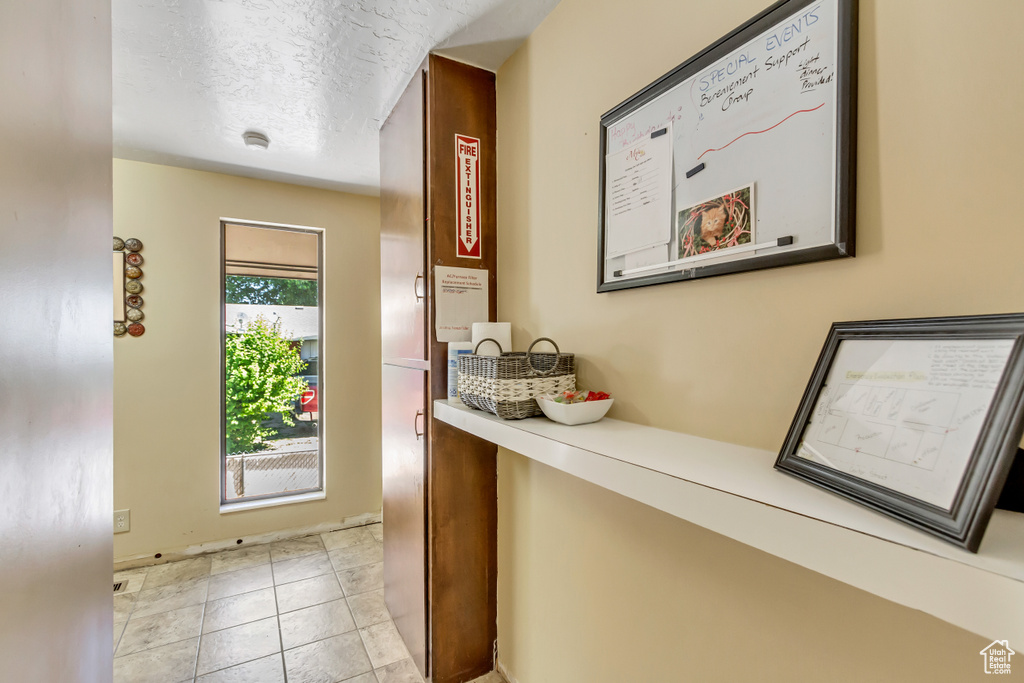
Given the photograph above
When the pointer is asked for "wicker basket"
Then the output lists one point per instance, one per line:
(507, 385)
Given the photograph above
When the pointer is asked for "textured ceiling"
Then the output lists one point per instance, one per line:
(317, 77)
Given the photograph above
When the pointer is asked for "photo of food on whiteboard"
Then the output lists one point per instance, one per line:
(717, 224)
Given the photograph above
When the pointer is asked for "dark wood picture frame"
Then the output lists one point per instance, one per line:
(993, 451)
(843, 241)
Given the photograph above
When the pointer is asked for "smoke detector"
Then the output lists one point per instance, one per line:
(255, 139)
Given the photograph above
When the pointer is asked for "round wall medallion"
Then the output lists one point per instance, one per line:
(132, 244)
(133, 300)
(118, 244)
(133, 286)
(136, 329)
(119, 329)
(133, 259)
(135, 315)
(133, 271)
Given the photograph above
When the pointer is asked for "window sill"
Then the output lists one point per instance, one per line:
(226, 508)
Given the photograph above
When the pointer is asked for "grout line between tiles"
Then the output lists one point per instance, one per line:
(199, 643)
(117, 644)
(241, 623)
(149, 649)
(131, 610)
(231, 666)
(366, 651)
(206, 603)
(320, 640)
(280, 636)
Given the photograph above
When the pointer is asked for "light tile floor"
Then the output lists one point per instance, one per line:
(304, 610)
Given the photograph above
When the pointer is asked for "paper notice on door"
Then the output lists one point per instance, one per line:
(460, 299)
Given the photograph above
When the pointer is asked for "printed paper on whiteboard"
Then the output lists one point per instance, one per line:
(638, 195)
(460, 300)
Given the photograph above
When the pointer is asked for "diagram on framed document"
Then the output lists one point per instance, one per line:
(918, 419)
(768, 112)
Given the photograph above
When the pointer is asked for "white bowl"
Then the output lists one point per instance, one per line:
(574, 413)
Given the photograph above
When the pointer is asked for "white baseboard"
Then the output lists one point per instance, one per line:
(186, 552)
(503, 670)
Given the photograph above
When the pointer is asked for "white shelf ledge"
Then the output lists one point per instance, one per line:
(734, 491)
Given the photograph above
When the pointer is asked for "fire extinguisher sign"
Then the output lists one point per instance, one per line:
(467, 151)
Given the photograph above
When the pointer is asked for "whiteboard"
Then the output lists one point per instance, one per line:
(770, 108)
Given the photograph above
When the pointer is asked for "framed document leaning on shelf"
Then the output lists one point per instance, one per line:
(918, 419)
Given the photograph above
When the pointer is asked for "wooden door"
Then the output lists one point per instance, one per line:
(405, 530)
(462, 468)
(440, 507)
(403, 285)
(460, 101)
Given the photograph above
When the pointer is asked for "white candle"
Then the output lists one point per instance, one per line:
(499, 332)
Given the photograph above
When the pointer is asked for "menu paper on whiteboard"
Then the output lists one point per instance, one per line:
(638, 195)
(460, 300)
(467, 171)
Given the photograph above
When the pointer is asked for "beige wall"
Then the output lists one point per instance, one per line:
(941, 159)
(595, 587)
(167, 382)
(941, 155)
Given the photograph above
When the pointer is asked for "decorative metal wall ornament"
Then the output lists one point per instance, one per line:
(127, 288)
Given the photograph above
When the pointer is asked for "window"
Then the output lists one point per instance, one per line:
(272, 369)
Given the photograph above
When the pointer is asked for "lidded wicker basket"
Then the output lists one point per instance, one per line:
(507, 385)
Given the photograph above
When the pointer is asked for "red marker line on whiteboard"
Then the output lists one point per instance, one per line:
(756, 132)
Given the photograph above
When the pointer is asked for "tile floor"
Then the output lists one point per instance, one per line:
(304, 610)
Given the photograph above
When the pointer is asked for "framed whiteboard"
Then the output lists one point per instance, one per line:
(759, 130)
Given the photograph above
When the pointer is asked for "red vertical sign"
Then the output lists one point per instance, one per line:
(467, 238)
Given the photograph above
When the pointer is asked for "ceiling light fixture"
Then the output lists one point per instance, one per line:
(255, 139)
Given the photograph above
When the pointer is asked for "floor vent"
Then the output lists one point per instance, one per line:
(120, 586)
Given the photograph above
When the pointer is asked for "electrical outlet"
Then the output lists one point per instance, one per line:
(122, 521)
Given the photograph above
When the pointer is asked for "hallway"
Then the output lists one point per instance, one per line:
(304, 610)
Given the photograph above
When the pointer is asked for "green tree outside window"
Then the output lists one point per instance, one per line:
(260, 369)
(274, 291)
